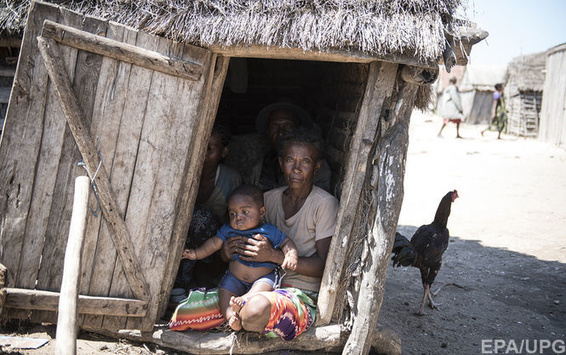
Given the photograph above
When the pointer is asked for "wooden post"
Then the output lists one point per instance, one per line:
(67, 320)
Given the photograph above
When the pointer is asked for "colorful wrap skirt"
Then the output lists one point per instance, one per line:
(292, 312)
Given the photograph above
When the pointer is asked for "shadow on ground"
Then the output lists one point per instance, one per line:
(498, 294)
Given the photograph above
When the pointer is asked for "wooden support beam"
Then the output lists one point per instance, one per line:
(20, 298)
(381, 79)
(329, 338)
(386, 199)
(76, 120)
(67, 328)
(341, 56)
(196, 342)
(87, 41)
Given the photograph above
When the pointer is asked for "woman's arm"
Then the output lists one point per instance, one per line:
(314, 264)
(260, 249)
(289, 249)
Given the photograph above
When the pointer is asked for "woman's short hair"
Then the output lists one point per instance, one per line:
(304, 136)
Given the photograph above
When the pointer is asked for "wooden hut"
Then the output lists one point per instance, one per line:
(523, 92)
(476, 91)
(131, 91)
(553, 113)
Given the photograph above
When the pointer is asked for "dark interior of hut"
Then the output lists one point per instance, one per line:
(330, 92)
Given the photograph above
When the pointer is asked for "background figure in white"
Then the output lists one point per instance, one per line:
(451, 107)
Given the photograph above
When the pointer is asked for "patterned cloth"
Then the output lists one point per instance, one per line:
(499, 121)
(199, 311)
(292, 312)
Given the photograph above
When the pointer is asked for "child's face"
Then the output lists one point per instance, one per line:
(244, 212)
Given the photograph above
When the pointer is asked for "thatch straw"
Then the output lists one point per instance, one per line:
(526, 73)
(378, 27)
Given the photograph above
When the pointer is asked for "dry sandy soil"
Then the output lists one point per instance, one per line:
(507, 253)
(504, 270)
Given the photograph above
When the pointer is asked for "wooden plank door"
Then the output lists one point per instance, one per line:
(136, 111)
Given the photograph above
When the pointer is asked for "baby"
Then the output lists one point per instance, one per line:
(244, 278)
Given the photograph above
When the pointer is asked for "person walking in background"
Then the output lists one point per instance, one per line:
(451, 107)
(498, 112)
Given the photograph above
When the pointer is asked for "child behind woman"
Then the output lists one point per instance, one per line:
(243, 278)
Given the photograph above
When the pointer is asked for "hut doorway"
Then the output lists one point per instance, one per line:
(330, 92)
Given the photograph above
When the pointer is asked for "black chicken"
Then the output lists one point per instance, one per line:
(426, 247)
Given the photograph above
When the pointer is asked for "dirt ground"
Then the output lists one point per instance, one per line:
(505, 266)
(504, 270)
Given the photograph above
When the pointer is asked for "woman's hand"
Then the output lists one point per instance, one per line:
(233, 246)
(259, 248)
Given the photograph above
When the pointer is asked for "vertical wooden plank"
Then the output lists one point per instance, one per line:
(106, 117)
(87, 69)
(191, 126)
(137, 106)
(386, 198)
(45, 177)
(100, 255)
(381, 79)
(20, 147)
(189, 185)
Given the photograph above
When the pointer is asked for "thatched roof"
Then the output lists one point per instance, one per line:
(482, 77)
(526, 73)
(418, 28)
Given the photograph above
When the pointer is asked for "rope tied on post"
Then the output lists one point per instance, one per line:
(92, 183)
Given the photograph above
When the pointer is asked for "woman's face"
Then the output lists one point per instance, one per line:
(299, 163)
(215, 150)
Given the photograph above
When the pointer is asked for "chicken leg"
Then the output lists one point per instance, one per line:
(426, 294)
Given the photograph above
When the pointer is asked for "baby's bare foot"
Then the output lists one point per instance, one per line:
(235, 322)
(237, 303)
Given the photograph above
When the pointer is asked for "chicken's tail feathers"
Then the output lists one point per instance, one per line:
(403, 253)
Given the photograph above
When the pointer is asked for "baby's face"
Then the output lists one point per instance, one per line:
(244, 212)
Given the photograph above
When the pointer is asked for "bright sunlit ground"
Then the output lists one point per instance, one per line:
(512, 191)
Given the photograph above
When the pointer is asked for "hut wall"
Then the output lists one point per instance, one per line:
(553, 114)
(138, 125)
(340, 97)
(524, 112)
(477, 106)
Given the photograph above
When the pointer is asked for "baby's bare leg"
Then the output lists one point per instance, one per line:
(237, 303)
(224, 297)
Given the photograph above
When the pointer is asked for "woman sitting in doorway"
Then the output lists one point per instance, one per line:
(307, 214)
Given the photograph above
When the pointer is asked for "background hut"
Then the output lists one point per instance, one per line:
(476, 91)
(553, 113)
(136, 105)
(523, 92)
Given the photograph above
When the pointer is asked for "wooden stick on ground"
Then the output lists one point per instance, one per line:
(68, 301)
